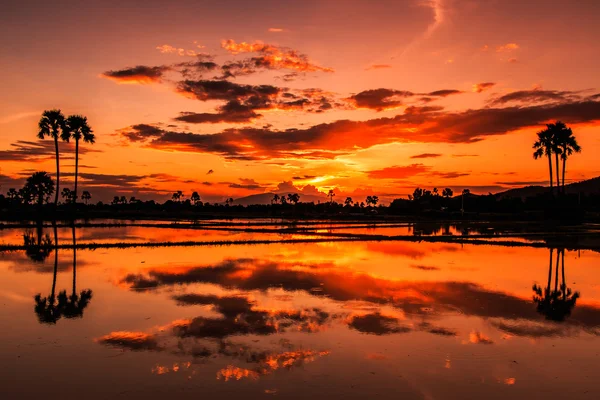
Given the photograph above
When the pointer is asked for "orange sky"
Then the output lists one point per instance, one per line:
(363, 97)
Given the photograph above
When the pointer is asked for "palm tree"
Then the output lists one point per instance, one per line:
(86, 196)
(52, 124)
(568, 145)
(78, 128)
(544, 147)
(74, 304)
(40, 186)
(293, 197)
(447, 193)
(330, 194)
(348, 202)
(67, 195)
(557, 131)
(275, 199)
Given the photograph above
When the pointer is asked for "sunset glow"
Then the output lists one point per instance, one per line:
(304, 97)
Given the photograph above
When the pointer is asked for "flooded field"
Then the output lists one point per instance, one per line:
(359, 319)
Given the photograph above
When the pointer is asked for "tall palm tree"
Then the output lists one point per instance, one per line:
(543, 146)
(568, 145)
(78, 129)
(52, 124)
(559, 134)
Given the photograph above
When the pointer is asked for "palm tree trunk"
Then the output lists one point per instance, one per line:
(564, 285)
(557, 173)
(550, 272)
(57, 171)
(563, 174)
(55, 262)
(550, 168)
(76, 170)
(556, 276)
(74, 263)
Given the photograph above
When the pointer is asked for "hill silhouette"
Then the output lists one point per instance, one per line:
(265, 198)
(589, 186)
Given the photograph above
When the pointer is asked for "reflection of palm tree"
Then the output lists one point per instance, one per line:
(48, 312)
(37, 249)
(555, 304)
(51, 309)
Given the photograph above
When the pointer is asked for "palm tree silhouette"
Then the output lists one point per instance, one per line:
(447, 193)
(77, 128)
(330, 194)
(38, 250)
(275, 199)
(348, 202)
(555, 304)
(568, 145)
(46, 308)
(544, 147)
(75, 304)
(52, 124)
(86, 196)
(293, 198)
(40, 187)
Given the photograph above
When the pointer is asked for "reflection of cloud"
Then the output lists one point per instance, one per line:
(136, 341)
(377, 324)
(231, 373)
(478, 337)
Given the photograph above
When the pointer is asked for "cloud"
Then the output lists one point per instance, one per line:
(210, 171)
(276, 30)
(444, 92)
(379, 99)
(42, 150)
(398, 172)
(140, 74)
(478, 337)
(426, 155)
(483, 86)
(273, 57)
(513, 60)
(167, 49)
(507, 47)
(378, 66)
(248, 184)
(327, 141)
(536, 96)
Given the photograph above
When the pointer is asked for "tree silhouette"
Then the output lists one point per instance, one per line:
(293, 198)
(195, 198)
(435, 191)
(544, 147)
(52, 124)
(86, 196)
(372, 200)
(46, 308)
(567, 144)
(348, 202)
(447, 193)
(177, 196)
(67, 195)
(275, 199)
(74, 304)
(78, 129)
(555, 304)
(40, 186)
(331, 194)
(37, 249)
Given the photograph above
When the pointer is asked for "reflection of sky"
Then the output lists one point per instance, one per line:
(349, 318)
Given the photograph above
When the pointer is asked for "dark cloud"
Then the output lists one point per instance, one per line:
(379, 99)
(141, 74)
(377, 324)
(483, 86)
(536, 96)
(248, 184)
(42, 150)
(444, 92)
(326, 141)
(427, 155)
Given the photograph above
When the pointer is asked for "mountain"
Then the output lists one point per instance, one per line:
(265, 198)
(586, 187)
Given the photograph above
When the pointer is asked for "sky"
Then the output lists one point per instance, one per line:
(233, 98)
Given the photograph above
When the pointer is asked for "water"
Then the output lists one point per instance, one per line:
(309, 320)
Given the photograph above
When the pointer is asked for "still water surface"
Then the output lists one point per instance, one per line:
(314, 320)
